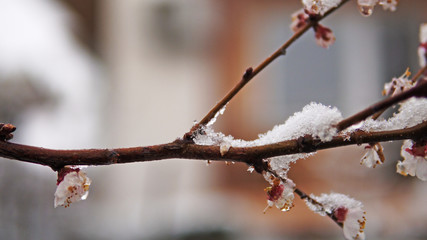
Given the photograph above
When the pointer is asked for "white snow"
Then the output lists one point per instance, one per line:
(411, 112)
(315, 119)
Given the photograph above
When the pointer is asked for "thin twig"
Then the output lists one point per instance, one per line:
(306, 197)
(413, 80)
(250, 73)
(420, 90)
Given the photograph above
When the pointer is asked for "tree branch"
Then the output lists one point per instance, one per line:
(56, 159)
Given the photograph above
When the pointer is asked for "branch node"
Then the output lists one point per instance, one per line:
(306, 144)
(283, 51)
(113, 156)
(248, 74)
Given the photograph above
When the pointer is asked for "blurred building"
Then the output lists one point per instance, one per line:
(140, 72)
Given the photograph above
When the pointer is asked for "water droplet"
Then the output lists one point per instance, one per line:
(366, 10)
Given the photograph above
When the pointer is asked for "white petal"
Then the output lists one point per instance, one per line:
(422, 56)
(423, 33)
(73, 188)
(354, 224)
(421, 170)
(370, 159)
(409, 163)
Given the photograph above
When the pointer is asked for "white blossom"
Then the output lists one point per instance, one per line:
(280, 193)
(414, 161)
(72, 186)
(374, 156)
(320, 6)
(354, 224)
(389, 4)
(344, 210)
(398, 85)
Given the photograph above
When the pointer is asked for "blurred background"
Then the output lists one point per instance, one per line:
(104, 74)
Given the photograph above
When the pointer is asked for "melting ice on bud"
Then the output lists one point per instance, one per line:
(344, 210)
(414, 161)
(72, 186)
(279, 194)
(366, 7)
(320, 6)
(374, 156)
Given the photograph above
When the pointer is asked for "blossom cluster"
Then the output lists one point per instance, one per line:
(323, 35)
(313, 9)
(366, 7)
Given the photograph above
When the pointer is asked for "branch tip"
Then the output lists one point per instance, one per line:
(6, 130)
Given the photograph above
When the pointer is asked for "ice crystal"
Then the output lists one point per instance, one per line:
(343, 209)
